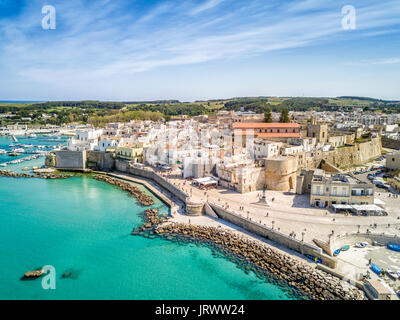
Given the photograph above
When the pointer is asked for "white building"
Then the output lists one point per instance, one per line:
(86, 139)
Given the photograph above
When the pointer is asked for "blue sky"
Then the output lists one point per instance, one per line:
(198, 49)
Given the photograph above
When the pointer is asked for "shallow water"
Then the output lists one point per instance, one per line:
(82, 227)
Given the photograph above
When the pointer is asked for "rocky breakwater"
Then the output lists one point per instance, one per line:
(152, 220)
(142, 198)
(12, 174)
(254, 256)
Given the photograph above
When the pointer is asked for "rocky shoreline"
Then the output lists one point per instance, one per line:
(50, 176)
(252, 255)
(134, 191)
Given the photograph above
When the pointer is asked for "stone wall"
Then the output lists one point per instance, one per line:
(390, 143)
(274, 235)
(343, 157)
(97, 160)
(328, 167)
(354, 238)
(192, 208)
(73, 160)
(281, 173)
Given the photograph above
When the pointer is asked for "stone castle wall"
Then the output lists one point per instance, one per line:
(281, 173)
(343, 157)
(97, 160)
(390, 143)
(274, 235)
(73, 160)
(192, 208)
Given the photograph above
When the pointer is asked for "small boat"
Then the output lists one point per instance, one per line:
(361, 244)
(376, 269)
(393, 247)
(336, 252)
(2, 151)
(314, 259)
(393, 274)
(345, 248)
(3, 164)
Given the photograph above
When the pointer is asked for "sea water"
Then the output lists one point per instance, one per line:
(83, 228)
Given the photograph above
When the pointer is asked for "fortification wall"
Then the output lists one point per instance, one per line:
(274, 235)
(281, 173)
(74, 160)
(97, 160)
(192, 208)
(390, 143)
(344, 157)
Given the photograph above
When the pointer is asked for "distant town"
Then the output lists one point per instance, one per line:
(318, 176)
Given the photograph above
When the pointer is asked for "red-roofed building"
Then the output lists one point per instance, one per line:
(270, 131)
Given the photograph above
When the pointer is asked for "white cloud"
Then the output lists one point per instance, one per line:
(206, 6)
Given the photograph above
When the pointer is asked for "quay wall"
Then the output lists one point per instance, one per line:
(274, 235)
(352, 239)
(74, 160)
(192, 208)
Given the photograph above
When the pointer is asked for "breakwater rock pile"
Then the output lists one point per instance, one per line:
(152, 221)
(143, 198)
(254, 256)
(52, 176)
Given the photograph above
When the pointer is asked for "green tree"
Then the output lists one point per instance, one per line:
(284, 118)
(268, 116)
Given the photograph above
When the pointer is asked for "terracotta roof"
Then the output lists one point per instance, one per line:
(241, 125)
(278, 135)
(269, 134)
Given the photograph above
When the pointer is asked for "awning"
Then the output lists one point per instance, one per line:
(367, 207)
(342, 206)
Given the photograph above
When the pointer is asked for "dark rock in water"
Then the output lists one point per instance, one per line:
(70, 274)
(66, 274)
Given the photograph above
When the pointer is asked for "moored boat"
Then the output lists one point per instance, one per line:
(345, 248)
(336, 252)
(393, 247)
(393, 274)
(376, 269)
(361, 244)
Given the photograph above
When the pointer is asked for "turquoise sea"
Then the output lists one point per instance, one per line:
(83, 226)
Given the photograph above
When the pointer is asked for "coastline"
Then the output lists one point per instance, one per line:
(242, 248)
(284, 264)
(254, 256)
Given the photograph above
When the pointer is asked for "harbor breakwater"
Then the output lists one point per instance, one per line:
(253, 256)
(51, 176)
(134, 191)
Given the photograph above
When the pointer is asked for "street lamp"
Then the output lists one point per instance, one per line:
(302, 236)
(273, 222)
